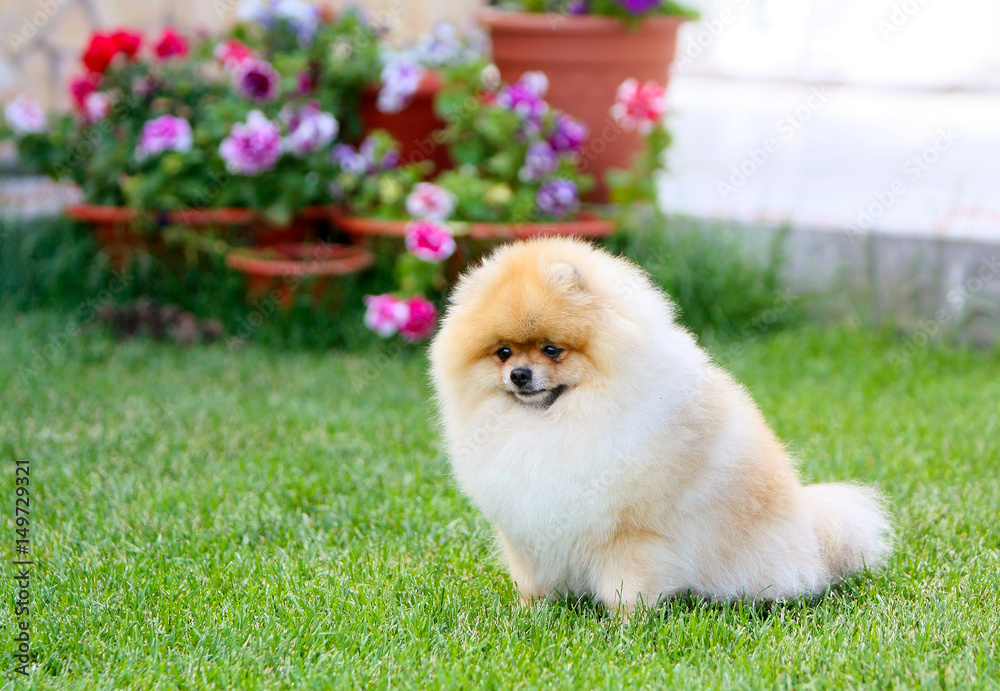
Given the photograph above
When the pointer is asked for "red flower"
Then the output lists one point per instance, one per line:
(232, 53)
(80, 88)
(128, 42)
(171, 44)
(99, 53)
(104, 47)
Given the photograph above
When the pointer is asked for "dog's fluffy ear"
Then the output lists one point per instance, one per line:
(566, 276)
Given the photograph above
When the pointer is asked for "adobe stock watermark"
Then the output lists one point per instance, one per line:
(709, 31)
(33, 23)
(786, 127)
(914, 169)
(899, 16)
(956, 300)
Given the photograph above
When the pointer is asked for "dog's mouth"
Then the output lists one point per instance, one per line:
(542, 398)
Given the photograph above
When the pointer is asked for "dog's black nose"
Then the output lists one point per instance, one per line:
(520, 376)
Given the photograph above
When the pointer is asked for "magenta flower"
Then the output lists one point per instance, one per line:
(256, 80)
(25, 115)
(253, 147)
(638, 105)
(638, 6)
(400, 80)
(525, 99)
(165, 133)
(420, 320)
(309, 129)
(431, 202)
(429, 240)
(569, 135)
(385, 314)
(540, 161)
(557, 198)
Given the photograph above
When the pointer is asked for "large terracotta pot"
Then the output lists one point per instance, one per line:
(586, 58)
(414, 127)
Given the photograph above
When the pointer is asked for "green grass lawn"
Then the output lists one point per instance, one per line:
(264, 519)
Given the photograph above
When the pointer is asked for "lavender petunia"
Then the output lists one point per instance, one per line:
(253, 147)
(569, 134)
(165, 133)
(309, 129)
(558, 198)
(541, 160)
(400, 80)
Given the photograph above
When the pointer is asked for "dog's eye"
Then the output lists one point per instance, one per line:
(504, 354)
(552, 351)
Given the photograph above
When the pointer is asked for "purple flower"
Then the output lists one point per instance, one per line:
(639, 6)
(302, 17)
(557, 198)
(165, 133)
(309, 129)
(569, 135)
(257, 81)
(400, 80)
(253, 147)
(523, 99)
(578, 7)
(540, 161)
(349, 160)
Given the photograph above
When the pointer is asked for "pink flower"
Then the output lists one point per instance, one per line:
(420, 321)
(25, 115)
(638, 105)
(165, 133)
(253, 147)
(429, 240)
(386, 314)
(430, 201)
(171, 44)
(96, 106)
(257, 81)
(232, 53)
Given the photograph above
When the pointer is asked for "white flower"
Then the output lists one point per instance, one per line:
(431, 202)
(96, 106)
(25, 115)
(536, 82)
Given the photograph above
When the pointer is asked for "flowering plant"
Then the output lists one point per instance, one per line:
(630, 10)
(165, 122)
(640, 107)
(404, 69)
(518, 158)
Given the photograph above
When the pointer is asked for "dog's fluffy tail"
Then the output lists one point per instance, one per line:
(852, 526)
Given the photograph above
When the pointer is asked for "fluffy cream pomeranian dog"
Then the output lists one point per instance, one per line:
(614, 459)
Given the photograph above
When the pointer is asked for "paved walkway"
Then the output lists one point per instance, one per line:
(907, 163)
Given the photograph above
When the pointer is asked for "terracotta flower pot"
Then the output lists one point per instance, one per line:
(287, 269)
(413, 127)
(586, 58)
(115, 227)
(585, 225)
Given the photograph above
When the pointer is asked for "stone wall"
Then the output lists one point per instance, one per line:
(41, 40)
